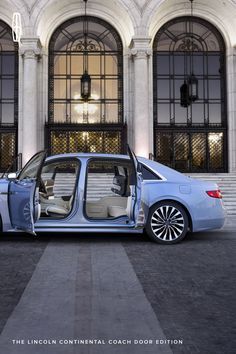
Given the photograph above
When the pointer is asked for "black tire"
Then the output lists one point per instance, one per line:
(167, 223)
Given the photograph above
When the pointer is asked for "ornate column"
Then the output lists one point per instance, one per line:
(30, 51)
(141, 52)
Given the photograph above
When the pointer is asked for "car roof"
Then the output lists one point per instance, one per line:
(86, 155)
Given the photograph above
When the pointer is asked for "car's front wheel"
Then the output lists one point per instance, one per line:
(167, 222)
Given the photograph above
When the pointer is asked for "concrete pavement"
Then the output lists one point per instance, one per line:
(83, 292)
(113, 287)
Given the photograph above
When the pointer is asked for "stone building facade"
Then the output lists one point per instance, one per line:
(141, 53)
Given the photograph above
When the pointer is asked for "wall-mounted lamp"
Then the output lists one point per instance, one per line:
(16, 27)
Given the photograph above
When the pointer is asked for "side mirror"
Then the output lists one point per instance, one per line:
(12, 175)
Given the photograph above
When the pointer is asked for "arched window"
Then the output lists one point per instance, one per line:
(97, 124)
(190, 135)
(8, 97)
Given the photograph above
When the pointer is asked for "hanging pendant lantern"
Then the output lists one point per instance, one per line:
(189, 89)
(85, 82)
(193, 87)
(184, 95)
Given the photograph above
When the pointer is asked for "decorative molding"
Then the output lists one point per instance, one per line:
(142, 5)
(188, 44)
(28, 6)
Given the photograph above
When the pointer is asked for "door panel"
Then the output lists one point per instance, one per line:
(21, 204)
(23, 194)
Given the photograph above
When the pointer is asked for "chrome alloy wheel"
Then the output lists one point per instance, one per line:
(167, 223)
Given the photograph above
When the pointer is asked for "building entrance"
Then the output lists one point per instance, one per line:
(190, 116)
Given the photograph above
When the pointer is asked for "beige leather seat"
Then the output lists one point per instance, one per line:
(116, 211)
(100, 208)
(59, 209)
(51, 201)
(96, 209)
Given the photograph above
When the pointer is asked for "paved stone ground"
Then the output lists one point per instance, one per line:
(190, 286)
(19, 256)
(83, 290)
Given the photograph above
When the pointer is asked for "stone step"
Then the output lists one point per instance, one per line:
(229, 199)
(231, 211)
(223, 179)
(229, 192)
(226, 174)
(228, 196)
(226, 184)
(229, 202)
(218, 181)
(206, 176)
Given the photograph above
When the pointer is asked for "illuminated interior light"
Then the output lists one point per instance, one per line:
(86, 108)
(215, 137)
(94, 96)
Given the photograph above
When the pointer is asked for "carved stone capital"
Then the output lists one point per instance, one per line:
(30, 48)
(133, 52)
(140, 53)
(30, 54)
(139, 47)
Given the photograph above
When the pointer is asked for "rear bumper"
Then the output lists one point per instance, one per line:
(211, 224)
(212, 218)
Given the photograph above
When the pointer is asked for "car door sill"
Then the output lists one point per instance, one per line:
(89, 229)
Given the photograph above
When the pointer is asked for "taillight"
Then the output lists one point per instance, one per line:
(215, 194)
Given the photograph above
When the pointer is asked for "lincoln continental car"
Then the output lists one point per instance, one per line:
(107, 193)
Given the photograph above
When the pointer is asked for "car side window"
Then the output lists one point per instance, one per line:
(148, 174)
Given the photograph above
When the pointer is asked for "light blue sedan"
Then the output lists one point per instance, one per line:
(107, 193)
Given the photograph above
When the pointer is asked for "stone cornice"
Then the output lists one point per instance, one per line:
(140, 42)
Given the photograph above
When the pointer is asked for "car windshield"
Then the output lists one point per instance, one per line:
(31, 168)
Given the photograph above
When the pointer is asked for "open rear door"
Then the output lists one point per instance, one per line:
(23, 194)
(138, 214)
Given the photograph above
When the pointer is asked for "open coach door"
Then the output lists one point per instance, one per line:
(137, 210)
(24, 207)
